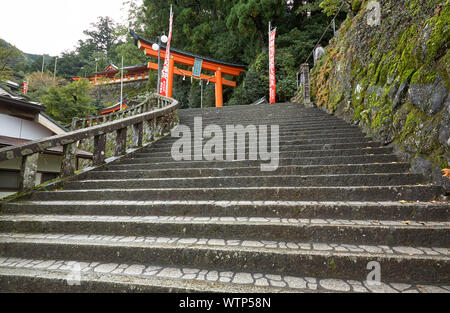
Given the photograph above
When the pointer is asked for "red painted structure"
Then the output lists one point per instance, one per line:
(111, 75)
(219, 68)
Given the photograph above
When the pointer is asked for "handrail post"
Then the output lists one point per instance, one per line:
(304, 69)
(137, 134)
(99, 149)
(121, 142)
(74, 123)
(28, 172)
(69, 160)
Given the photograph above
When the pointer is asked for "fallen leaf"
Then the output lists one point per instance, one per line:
(446, 172)
(403, 201)
(406, 222)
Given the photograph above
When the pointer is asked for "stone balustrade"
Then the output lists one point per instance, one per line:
(157, 114)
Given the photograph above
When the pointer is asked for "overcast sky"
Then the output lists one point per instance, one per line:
(52, 26)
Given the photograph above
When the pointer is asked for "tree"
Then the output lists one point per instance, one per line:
(71, 100)
(252, 17)
(331, 7)
(102, 34)
(39, 83)
(8, 54)
(69, 64)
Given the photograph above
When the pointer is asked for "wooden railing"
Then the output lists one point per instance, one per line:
(160, 120)
(146, 106)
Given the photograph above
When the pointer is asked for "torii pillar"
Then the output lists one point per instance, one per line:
(219, 68)
(219, 89)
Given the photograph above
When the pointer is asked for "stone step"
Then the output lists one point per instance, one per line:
(376, 211)
(238, 118)
(400, 264)
(327, 160)
(289, 141)
(391, 179)
(230, 157)
(251, 171)
(286, 146)
(28, 275)
(355, 232)
(285, 158)
(356, 193)
(297, 136)
(313, 128)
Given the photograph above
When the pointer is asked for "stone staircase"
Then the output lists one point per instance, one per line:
(147, 223)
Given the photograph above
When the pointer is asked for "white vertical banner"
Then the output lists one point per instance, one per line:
(272, 81)
(163, 88)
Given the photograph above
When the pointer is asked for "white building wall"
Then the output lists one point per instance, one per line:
(11, 126)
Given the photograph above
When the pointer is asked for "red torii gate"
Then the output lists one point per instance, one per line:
(219, 68)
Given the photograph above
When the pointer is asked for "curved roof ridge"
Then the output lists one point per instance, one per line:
(136, 37)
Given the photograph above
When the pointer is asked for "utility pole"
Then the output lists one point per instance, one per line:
(201, 93)
(54, 72)
(43, 63)
(96, 70)
(121, 87)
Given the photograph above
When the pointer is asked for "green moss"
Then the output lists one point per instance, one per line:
(332, 265)
(357, 115)
(406, 75)
(382, 118)
(437, 45)
(356, 6)
(442, 162)
(423, 77)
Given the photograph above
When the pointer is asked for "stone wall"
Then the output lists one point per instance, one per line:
(110, 94)
(392, 79)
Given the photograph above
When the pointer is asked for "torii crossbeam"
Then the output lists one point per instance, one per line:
(219, 68)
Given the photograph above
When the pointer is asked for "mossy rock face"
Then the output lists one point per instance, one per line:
(392, 79)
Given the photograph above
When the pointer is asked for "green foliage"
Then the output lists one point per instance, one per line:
(8, 56)
(39, 83)
(250, 18)
(437, 46)
(71, 100)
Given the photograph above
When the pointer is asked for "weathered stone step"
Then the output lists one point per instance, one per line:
(357, 137)
(282, 125)
(287, 157)
(401, 264)
(293, 140)
(313, 127)
(284, 146)
(376, 211)
(356, 232)
(251, 117)
(306, 119)
(251, 171)
(391, 179)
(28, 275)
(375, 193)
(327, 160)
(316, 151)
(284, 152)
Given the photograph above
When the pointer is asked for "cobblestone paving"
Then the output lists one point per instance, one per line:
(241, 278)
(299, 246)
(234, 220)
(237, 203)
